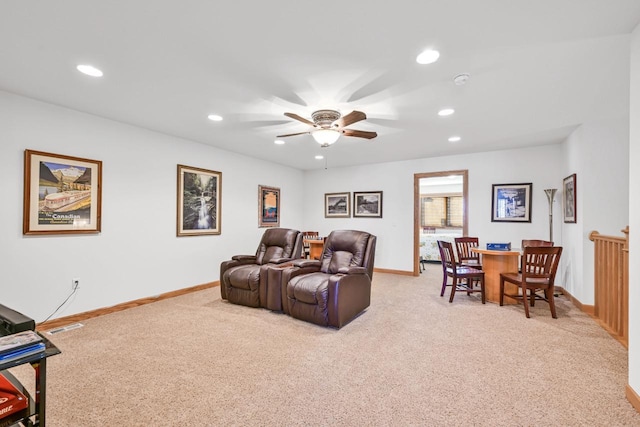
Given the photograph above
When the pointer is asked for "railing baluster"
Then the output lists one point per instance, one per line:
(611, 283)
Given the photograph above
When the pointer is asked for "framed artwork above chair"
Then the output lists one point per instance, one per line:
(511, 203)
(337, 205)
(268, 206)
(367, 204)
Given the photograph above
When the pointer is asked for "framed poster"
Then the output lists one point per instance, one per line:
(337, 205)
(268, 206)
(367, 204)
(199, 201)
(62, 194)
(511, 203)
(569, 199)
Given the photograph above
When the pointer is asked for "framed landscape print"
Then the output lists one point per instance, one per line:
(62, 194)
(569, 198)
(199, 201)
(268, 206)
(511, 203)
(337, 205)
(367, 204)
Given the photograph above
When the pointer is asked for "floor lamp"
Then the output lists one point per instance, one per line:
(551, 192)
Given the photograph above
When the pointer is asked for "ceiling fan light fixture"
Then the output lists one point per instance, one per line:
(325, 118)
(328, 125)
(325, 137)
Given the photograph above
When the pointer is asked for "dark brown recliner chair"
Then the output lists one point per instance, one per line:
(335, 289)
(243, 278)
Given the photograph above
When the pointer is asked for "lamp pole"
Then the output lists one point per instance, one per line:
(550, 192)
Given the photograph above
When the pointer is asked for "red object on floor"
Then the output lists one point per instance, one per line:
(11, 399)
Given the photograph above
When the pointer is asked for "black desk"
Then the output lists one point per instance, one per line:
(37, 403)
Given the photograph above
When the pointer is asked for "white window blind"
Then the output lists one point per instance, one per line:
(441, 211)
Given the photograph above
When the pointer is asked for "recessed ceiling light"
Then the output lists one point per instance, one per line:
(89, 70)
(214, 117)
(446, 112)
(319, 157)
(454, 138)
(429, 56)
(278, 142)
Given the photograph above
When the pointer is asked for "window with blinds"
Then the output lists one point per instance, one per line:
(441, 211)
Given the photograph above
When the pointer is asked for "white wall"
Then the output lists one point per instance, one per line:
(541, 166)
(597, 153)
(634, 216)
(137, 254)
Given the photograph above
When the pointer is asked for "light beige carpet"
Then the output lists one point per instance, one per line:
(412, 359)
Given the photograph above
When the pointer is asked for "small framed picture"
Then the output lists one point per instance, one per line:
(367, 204)
(569, 199)
(511, 203)
(337, 205)
(62, 194)
(199, 201)
(268, 206)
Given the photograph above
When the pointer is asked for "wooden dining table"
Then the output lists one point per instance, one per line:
(315, 247)
(496, 262)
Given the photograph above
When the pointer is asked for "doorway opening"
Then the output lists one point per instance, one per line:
(439, 212)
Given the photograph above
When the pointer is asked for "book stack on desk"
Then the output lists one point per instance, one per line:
(499, 246)
(22, 344)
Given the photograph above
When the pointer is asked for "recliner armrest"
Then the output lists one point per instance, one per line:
(280, 260)
(245, 259)
(306, 263)
(352, 270)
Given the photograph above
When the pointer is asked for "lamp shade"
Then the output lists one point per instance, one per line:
(325, 137)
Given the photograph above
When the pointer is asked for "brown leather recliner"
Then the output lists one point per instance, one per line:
(243, 278)
(335, 289)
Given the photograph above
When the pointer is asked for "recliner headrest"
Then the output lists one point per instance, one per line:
(344, 248)
(276, 243)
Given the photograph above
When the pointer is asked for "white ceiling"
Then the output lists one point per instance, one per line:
(538, 69)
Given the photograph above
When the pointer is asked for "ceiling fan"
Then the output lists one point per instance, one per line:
(328, 125)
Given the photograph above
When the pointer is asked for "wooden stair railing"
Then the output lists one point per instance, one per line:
(611, 283)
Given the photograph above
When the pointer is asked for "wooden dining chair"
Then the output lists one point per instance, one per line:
(539, 266)
(536, 243)
(308, 235)
(459, 274)
(466, 257)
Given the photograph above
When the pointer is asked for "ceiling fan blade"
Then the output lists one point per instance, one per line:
(291, 134)
(359, 133)
(300, 119)
(352, 117)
